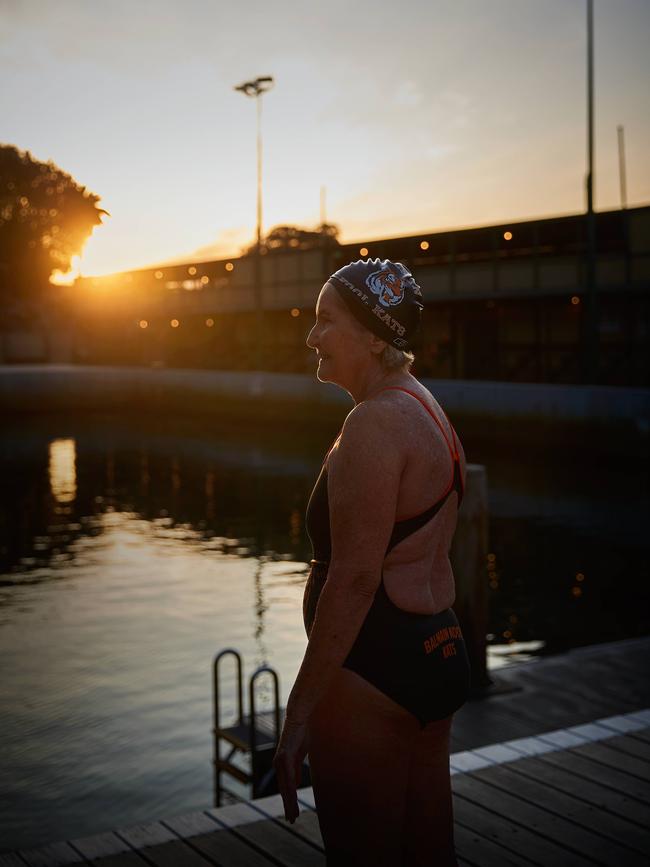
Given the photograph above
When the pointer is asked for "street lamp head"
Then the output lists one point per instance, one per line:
(257, 86)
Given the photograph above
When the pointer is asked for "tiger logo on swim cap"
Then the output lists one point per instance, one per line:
(387, 286)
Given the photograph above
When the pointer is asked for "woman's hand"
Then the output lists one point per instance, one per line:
(287, 762)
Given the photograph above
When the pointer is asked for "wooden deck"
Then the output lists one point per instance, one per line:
(566, 781)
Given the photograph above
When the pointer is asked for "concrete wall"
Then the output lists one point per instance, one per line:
(529, 412)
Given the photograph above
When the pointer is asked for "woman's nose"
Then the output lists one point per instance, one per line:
(310, 338)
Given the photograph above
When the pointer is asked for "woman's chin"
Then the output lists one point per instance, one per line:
(322, 371)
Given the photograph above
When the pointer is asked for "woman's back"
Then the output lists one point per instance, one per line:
(417, 572)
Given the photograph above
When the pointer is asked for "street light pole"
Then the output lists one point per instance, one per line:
(256, 88)
(590, 322)
(621, 166)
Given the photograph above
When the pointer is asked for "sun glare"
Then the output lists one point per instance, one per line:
(67, 278)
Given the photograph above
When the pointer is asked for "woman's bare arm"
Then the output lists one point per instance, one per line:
(363, 481)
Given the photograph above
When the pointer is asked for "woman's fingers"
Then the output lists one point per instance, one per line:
(288, 764)
(287, 784)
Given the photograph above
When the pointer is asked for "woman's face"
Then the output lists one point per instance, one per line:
(341, 343)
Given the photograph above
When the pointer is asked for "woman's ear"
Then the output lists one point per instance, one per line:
(377, 345)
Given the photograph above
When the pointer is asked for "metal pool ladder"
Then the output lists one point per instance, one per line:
(257, 734)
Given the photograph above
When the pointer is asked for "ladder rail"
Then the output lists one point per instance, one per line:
(260, 743)
(229, 651)
(216, 729)
(263, 669)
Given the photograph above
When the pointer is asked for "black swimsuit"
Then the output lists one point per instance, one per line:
(418, 660)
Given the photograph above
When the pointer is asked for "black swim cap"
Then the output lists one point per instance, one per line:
(383, 296)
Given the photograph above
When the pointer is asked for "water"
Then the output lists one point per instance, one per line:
(132, 551)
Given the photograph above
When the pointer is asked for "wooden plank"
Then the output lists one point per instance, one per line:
(174, 855)
(643, 735)
(581, 697)
(485, 721)
(234, 815)
(624, 724)
(483, 852)
(582, 671)
(149, 834)
(607, 835)
(514, 838)
(552, 826)
(561, 778)
(631, 746)
(127, 859)
(598, 773)
(618, 678)
(100, 845)
(621, 673)
(225, 848)
(52, 855)
(306, 825)
(11, 859)
(538, 713)
(192, 824)
(306, 797)
(287, 848)
(600, 752)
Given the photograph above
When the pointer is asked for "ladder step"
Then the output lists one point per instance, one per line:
(239, 735)
(233, 770)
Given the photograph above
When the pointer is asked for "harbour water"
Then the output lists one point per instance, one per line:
(133, 550)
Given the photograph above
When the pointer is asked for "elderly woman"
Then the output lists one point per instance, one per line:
(385, 666)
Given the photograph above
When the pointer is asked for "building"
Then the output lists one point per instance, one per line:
(503, 302)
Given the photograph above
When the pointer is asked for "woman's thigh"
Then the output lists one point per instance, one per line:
(429, 824)
(360, 744)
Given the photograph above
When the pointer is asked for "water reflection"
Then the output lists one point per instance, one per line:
(131, 553)
(228, 491)
(62, 470)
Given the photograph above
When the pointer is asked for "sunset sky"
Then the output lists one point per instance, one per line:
(415, 116)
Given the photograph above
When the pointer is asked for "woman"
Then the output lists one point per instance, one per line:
(385, 666)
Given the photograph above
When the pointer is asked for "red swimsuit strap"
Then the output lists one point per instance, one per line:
(452, 451)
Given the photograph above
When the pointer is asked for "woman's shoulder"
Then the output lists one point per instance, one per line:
(376, 416)
(406, 401)
(378, 424)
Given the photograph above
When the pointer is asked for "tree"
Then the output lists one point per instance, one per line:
(283, 238)
(45, 219)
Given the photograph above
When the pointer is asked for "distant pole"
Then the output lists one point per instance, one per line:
(256, 88)
(621, 165)
(590, 323)
(323, 209)
(590, 106)
(258, 102)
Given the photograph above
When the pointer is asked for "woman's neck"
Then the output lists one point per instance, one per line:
(379, 381)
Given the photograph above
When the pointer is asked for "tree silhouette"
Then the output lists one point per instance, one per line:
(45, 219)
(283, 238)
